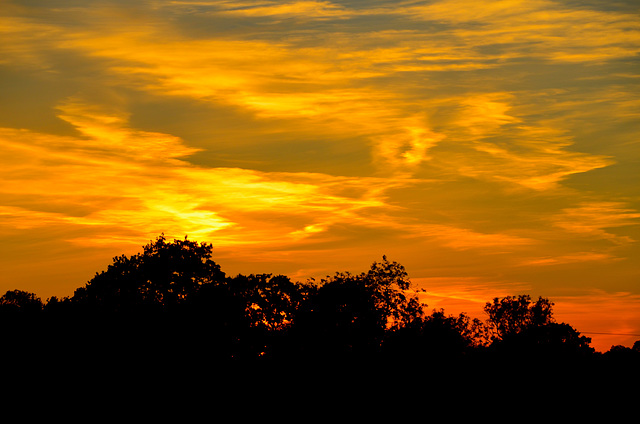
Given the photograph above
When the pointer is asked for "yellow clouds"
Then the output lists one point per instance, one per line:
(533, 164)
(418, 141)
(487, 139)
(302, 9)
(116, 182)
(464, 239)
(358, 82)
(569, 259)
(592, 219)
(591, 224)
(110, 132)
(271, 80)
(26, 41)
(485, 115)
(110, 178)
(546, 28)
(467, 11)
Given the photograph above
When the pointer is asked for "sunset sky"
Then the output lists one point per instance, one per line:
(492, 148)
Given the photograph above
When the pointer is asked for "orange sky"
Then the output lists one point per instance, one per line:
(492, 148)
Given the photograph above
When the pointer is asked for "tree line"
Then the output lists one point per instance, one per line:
(172, 303)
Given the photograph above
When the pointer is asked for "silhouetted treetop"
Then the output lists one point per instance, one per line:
(380, 295)
(435, 337)
(163, 274)
(171, 303)
(523, 327)
(349, 314)
(273, 301)
(511, 315)
(20, 301)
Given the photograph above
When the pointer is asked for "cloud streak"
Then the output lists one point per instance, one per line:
(135, 183)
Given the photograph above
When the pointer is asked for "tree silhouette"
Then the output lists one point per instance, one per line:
(511, 315)
(20, 319)
(20, 301)
(348, 315)
(165, 274)
(171, 307)
(270, 302)
(436, 337)
(246, 315)
(526, 329)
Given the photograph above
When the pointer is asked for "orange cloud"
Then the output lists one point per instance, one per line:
(132, 182)
(568, 259)
(303, 9)
(548, 29)
(591, 219)
(320, 84)
(463, 239)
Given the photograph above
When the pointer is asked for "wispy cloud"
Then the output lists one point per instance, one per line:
(463, 239)
(135, 184)
(570, 259)
(301, 9)
(593, 219)
(541, 28)
(321, 84)
(132, 181)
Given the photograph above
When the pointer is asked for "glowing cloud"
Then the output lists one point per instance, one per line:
(591, 219)
(131, 182)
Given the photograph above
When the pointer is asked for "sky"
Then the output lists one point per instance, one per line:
(492, 148)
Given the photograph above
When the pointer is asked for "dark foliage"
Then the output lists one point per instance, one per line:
(348, 316)
(164, 275)
(171, 309)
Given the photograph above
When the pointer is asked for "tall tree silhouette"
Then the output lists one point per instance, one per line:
(136, 306)
(511, 315)
(348, 315)
(164, 274)
(246, 315)
(526, 328)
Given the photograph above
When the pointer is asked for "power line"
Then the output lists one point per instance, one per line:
(610, 334)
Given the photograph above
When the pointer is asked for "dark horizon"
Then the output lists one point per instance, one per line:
(174, 297)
